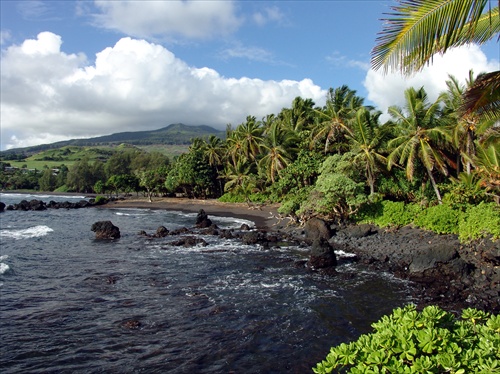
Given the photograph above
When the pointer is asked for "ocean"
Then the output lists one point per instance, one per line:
(73, 304)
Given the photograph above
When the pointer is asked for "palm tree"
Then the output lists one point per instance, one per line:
(422, 135)
(464, 125)
(418, 29)
(250, 134)
(333, 121)
(277, 150)
(365, 141)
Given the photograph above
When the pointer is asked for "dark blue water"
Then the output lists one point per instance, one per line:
(69, 303)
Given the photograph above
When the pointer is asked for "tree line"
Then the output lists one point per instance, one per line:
(327, 161)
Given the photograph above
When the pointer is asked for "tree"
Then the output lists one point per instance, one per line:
(47, 181)
(333, 121)
(250, 133)
(419, 29)
(421, 136)
(365, 140)
(277, 151)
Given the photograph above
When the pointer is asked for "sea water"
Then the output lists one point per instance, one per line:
(73, 304)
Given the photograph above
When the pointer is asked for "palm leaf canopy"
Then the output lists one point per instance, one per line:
(483, 98)
(418, 29)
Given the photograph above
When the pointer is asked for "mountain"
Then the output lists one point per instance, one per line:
(174, 134)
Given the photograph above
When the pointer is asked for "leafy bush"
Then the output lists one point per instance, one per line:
(389, 213)
(334, 196)
(432, 341)
(100, 200)
(480, 221)
(291, 203)
(232, 197)
(441, 219)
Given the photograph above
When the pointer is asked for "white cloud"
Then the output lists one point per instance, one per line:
(168, 19)
(269, 15)
(385, 90)
(49, 95)
(339, 60)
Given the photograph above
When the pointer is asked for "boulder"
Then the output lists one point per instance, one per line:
(359, 231)
(322, 255)
(316, 229)
(2, 206)
(202, 220)
(161, 232)
(189, 241)
(105, 230)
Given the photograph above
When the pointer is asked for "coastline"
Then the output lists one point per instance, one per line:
(265, 217)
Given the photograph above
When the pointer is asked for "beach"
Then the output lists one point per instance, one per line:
(265, 217)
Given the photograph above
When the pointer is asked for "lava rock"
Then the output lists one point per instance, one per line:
(105, 230)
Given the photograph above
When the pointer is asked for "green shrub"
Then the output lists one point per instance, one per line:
(441, 219)
(480, 221)
(231, 197)
(291, 203)
(432, 341)
(100, 200)
(389, 213)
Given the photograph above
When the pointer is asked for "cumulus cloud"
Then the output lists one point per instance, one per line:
(385, 90)
(48, 95)
(168, 19)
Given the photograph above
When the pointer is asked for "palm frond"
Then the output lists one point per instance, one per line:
(483, 98)
(418, 29)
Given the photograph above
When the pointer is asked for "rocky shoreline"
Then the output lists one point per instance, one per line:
(444, 271)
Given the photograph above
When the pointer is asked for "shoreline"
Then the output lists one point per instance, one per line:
(265, 217)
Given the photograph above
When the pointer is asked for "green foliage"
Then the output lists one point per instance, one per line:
(388, 213)
(480, 221)
(100, 200)
(464, 191)
(233, 197)
(441, 219)
(431, 341)
(291, 203)
(335, 196)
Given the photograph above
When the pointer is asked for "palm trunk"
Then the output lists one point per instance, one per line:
(434, 185)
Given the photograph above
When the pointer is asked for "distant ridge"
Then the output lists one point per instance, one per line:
(174, 134)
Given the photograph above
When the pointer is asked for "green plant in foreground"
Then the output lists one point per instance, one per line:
(431, 341)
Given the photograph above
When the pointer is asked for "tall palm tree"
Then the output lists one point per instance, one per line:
(333, 121)
(464, 125)
(250, 134)
(418, 29)
(277, 150)
(421, 138)
(365, 141)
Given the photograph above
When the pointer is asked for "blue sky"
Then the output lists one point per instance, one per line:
(87, 68)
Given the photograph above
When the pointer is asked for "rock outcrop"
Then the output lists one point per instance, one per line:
(105, 230)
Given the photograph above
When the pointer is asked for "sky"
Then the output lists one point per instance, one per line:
(79, 69)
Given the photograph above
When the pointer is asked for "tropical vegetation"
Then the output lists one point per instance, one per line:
(430, 341)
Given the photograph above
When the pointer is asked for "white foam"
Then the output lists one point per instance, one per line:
(30, 232)
(4, 268)
(24, 196)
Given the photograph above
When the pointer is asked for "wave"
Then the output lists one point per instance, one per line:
(3, 266)
(30, 232)
(27, 196)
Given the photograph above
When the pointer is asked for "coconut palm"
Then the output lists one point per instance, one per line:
(418, 29)
(250, 134)
(422, 135)
(277, 150)
(365, 141)
(333, 121)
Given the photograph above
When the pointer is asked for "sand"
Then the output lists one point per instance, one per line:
(264, 216)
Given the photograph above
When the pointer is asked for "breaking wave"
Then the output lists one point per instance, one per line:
(30, 232)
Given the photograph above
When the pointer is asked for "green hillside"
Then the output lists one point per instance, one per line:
(173, 135)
